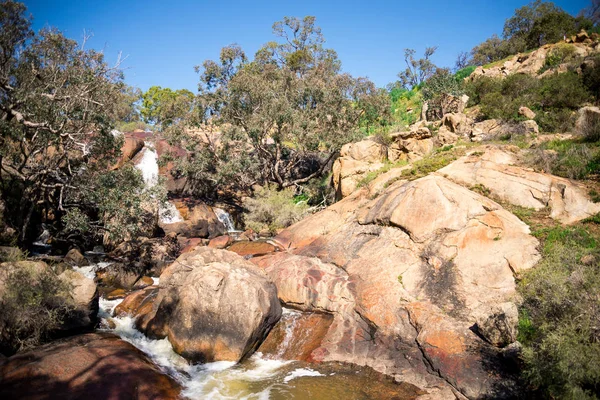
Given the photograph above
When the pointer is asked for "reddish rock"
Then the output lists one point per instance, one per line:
(116, 294)
(92, 366)
(131, 146)
(199, 220)
(188, 245)
(252, 248)
(220, 242)
(213, 306)
(164, 148)
(143, 282)
(297, 335)
(138, 303)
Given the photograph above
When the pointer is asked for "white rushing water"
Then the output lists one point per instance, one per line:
(225, 219)
(148, 165)
(254, 380)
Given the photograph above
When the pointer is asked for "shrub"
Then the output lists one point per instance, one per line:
(590, 73)
(481, 86)
(558, 324)
(34, 304)
(271, 210)
(560, 54)
(559, 120)
(589, 126)
(564, 90)
(461, 74)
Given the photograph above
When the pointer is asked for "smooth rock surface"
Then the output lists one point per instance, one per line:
(213, 306)
(496, 171)
(93, 366)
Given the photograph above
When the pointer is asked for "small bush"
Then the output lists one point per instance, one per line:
(34, 304)
(271, 210)
(558, 323)
(564, 90)
(461, 74)
(556, 120)
(589, 127)
(561, 54)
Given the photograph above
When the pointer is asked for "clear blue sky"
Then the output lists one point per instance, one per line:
(164, 40)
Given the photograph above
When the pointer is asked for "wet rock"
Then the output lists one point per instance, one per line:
(252, 249)
(75, 258)
(91, 366)
(131, 146)
(118, 275)
(213, 305)
(143, 282)
(138, 303)
(296, 336)
(199, 220)
(116, 294)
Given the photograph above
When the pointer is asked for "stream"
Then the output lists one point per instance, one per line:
(260, 377)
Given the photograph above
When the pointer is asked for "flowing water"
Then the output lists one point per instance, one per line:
(225, 219)
(259, 377)
(148, 165)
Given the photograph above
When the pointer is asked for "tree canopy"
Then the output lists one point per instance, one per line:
(58, 104)
(286, 113)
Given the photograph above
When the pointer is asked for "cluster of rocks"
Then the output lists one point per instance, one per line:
(582, 45)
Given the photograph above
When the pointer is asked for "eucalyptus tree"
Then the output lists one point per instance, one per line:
(286, 113)
(58, 102)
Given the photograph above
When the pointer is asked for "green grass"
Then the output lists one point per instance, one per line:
(371, 176)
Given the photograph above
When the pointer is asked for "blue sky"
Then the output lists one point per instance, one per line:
(164, 40)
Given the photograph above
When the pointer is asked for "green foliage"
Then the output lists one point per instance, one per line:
(567, 158)
(442, 81)
(559, 316)
(164, 106)
(289, 110)
(270, 210)
(116, 203)
(562, 53)
(371, 176)
(532, 26)
(417, 70)
(463, 73)
(591, 75)
(554, 98)
(406, 106)
(429, 164)
(34, 303)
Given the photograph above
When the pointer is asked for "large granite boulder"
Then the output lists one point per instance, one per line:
(497, 170)
(407, 272)
(85, 297)
(213, 305)
(92, 366)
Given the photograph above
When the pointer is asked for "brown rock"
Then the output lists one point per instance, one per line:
(189, 245)
(131, 146)
(496, 171)
(143, 282)
(117, 275)
(296, 335)
(253, 249)
(116, 294)
(200, 220)
(75, 258)
(526, 112)
(138, 303)
(213, 305)
(405, 275)
(85, 296)
(91, 366)
(220, 242)
(497, 323)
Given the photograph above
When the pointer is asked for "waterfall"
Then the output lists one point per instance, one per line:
(225, 219)
(148, 165)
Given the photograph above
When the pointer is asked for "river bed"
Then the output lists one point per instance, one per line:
(260, 377)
